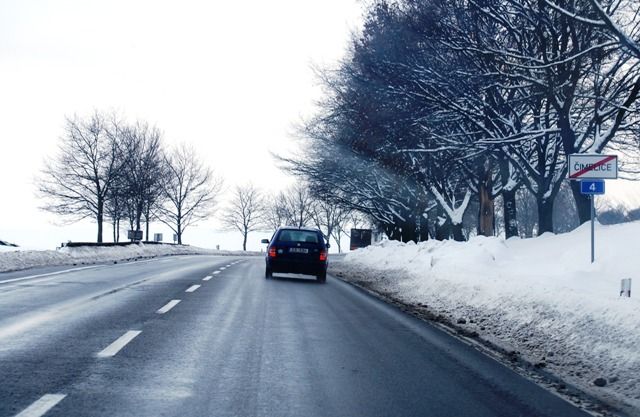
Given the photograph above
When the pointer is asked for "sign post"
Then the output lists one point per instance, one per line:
(591, 170)
(592, 188)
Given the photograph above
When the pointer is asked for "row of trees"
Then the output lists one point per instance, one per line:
(249, 210)
(442, 105)
(110, 170)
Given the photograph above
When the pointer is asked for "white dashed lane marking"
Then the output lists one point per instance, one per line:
(216, 272)
(207, 278)
(168, 306)
(192, 288)
(40, 407)
(121, 342)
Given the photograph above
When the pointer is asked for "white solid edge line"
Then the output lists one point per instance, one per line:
(121, 342)
(6, 281)
(193, 288)
(42, 405)
(207, 278)
(216, 272)
(49, 274)
(168, 306)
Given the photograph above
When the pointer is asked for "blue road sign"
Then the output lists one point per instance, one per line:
(591, 187)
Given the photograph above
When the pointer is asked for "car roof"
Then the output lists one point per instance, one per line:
(306, 229)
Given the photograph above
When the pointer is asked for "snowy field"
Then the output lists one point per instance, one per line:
(13, 258)
(541, 297)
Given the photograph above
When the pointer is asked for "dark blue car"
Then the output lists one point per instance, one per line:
(298, 251)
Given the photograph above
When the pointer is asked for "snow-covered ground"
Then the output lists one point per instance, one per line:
(541, 297)
(15, 258)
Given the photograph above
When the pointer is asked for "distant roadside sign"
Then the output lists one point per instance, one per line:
(593, 166)
(592, 187)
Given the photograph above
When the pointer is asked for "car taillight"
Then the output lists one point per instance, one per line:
(272, 252)
(323, 255)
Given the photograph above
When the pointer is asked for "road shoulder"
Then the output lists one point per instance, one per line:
(469, 332)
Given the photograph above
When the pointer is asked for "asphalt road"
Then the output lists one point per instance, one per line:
(115, 341)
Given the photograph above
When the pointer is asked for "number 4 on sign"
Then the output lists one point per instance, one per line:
(591, 187)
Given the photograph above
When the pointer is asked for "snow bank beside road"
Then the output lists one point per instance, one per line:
(542, 296)
(13, 260)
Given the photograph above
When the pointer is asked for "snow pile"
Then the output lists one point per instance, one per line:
(13, 260)
(540, 296)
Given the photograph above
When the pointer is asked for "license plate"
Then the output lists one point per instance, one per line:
(298, 250)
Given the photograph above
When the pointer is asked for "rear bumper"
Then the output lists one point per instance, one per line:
(296, 267)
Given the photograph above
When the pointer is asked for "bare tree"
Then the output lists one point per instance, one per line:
(78, 180)
(298, 205)
(275, 212)
(115, 206)
(245, 211)
(190, 190)
(142, 171)
(329, 217)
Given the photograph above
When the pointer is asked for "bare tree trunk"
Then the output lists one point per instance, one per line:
(508, 201)
(486, 215)
(510, 220)
(147, 223)
(583, 205)
(545, 216)
(409, 231)
(139, 217)
(456, 231)
(486, 211)
(443, 228)
(568, 141)
(99, 218)
(244, 240)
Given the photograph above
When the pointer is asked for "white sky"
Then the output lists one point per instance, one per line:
(230, 77)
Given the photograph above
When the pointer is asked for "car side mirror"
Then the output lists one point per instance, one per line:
(328, 245)
(265, 241)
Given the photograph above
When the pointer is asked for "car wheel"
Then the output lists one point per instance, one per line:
(321, 277)
(267, 273)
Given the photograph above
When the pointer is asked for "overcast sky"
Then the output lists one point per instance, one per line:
(232, 78)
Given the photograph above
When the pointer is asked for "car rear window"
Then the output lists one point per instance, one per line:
(298, 236)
